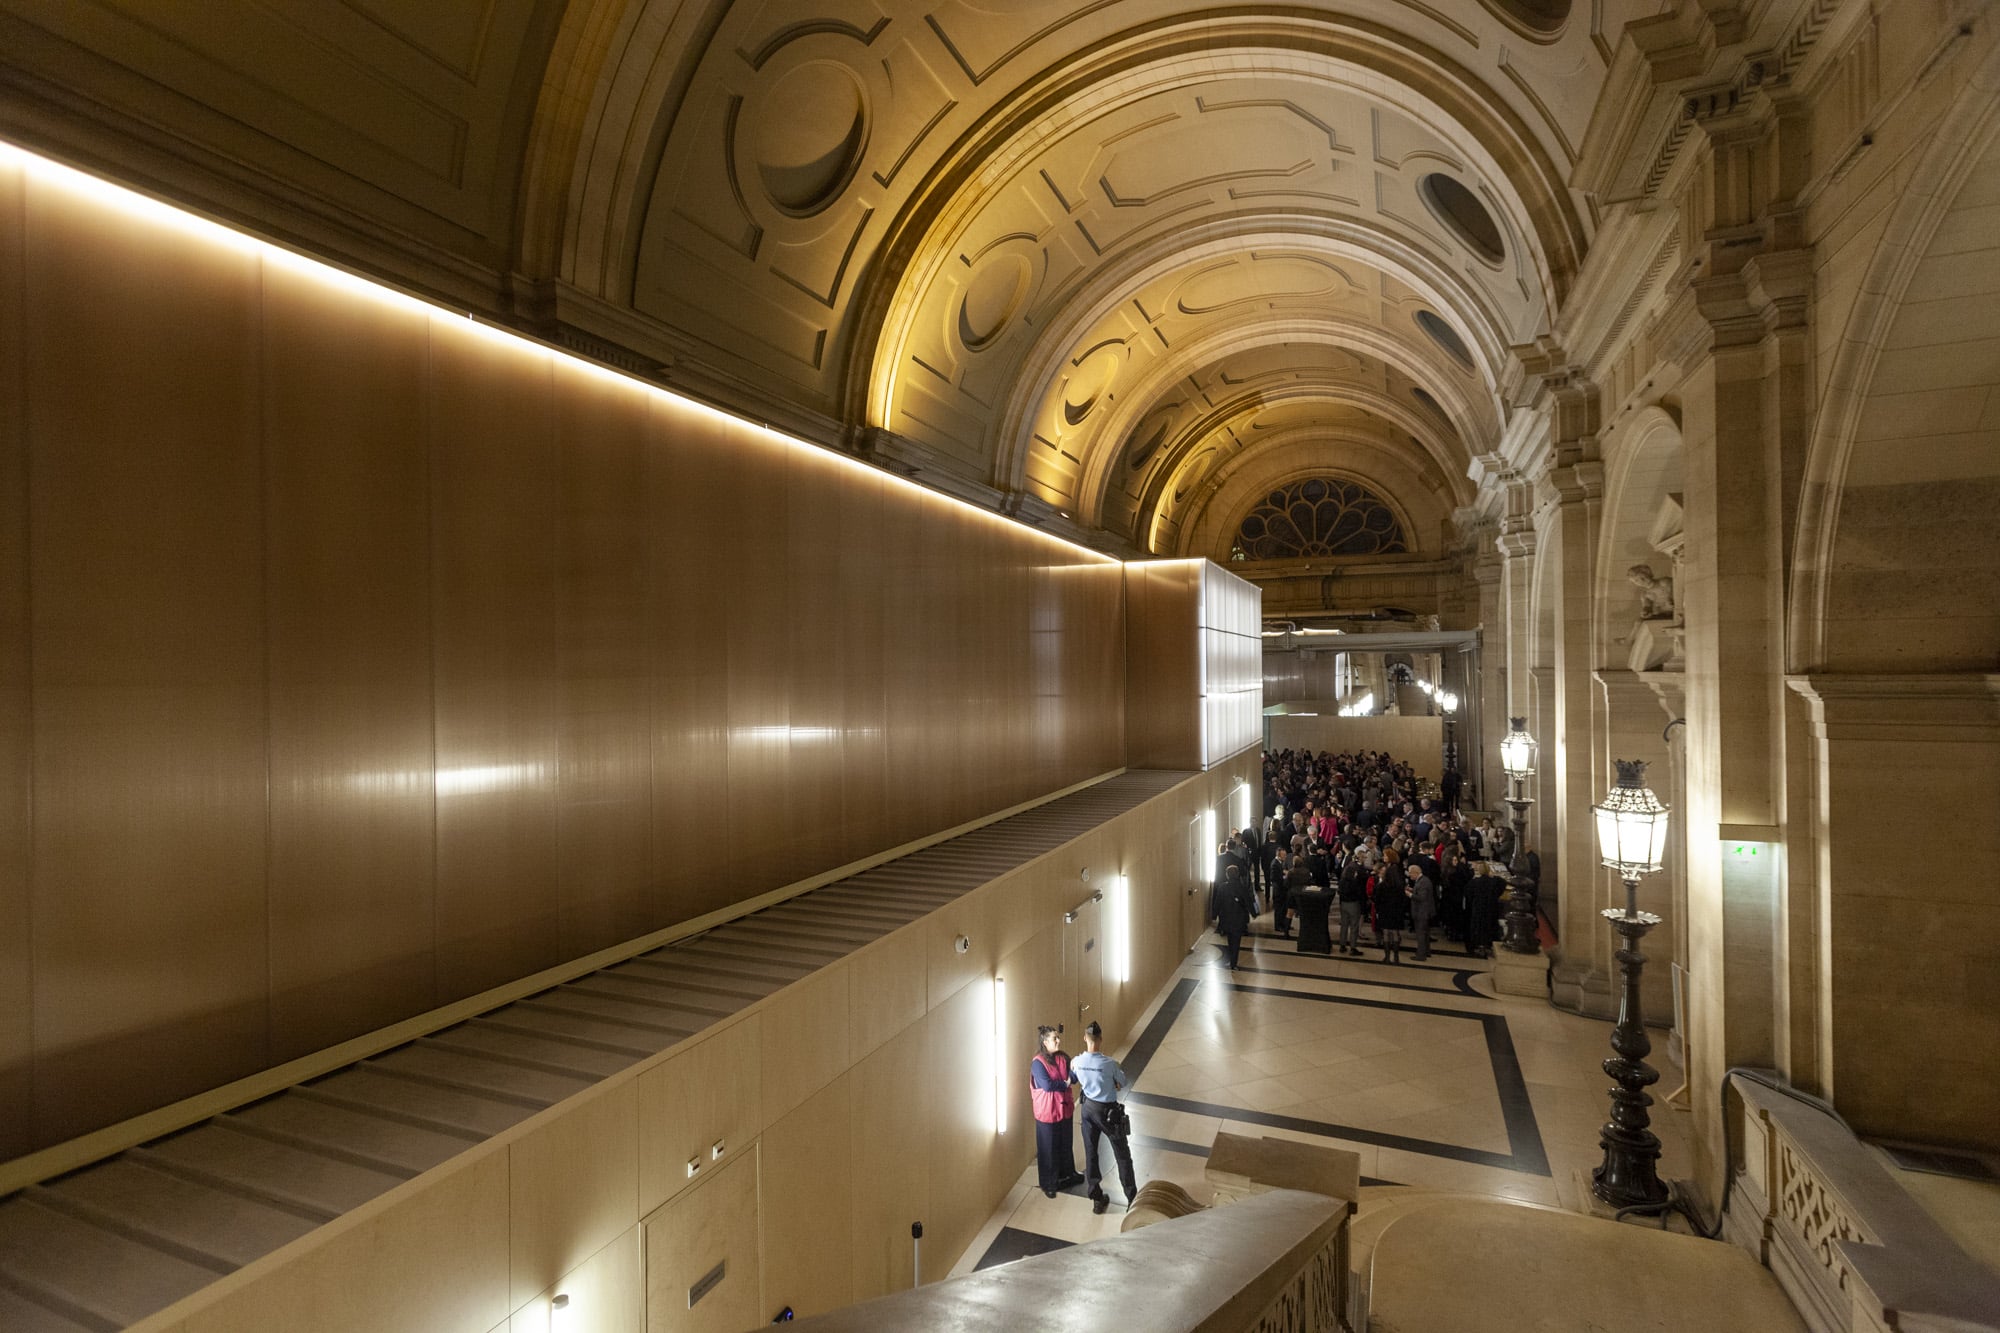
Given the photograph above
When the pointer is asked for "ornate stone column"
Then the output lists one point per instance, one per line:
(1738, 329)
(1569, 521)
(1490, 714)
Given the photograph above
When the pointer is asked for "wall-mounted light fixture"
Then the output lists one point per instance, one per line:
(961, 944)
(1245, 811)
(999, 1055)
(1121, 927)
(562, 1313)
(1209, 846)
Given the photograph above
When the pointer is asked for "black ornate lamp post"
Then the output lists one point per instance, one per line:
(1632, 840)
(1517, 758)
(1449, 703)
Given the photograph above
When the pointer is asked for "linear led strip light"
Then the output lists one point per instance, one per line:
(145, 209)
(1121, 922)
(1000, 1055)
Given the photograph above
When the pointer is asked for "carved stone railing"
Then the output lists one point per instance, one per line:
(1851, 1248)
(1271, 1263)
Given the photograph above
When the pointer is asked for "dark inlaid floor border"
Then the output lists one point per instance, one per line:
(1461, 980)
(1409, 937)
(1524, 1137)
(1203, 1150)
(1014, 1243)
(1336, 957)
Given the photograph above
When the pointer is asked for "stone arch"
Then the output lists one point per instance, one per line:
(1388, 416)
(1214, 515)
(1643, 469)
(1868, 517)
(1462, 412)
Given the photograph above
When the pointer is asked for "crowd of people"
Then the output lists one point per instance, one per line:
(1391, 848)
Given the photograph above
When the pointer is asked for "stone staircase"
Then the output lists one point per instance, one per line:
(107, 1245)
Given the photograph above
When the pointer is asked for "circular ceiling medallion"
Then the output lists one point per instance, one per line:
(1446, 337)
(1148, 442)
(1463, 215)
(1538, 20)
(1092, 377)
(814, 127)
(991, 299)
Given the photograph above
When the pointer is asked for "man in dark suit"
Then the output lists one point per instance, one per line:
(1233, 909)
(1253, 850)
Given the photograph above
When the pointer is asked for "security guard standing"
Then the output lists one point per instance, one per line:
(1100, 1078)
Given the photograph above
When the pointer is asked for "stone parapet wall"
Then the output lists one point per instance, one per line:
(1853, 1251)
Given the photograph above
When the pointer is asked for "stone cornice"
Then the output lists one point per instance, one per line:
(1692, 68)
(1932, 709)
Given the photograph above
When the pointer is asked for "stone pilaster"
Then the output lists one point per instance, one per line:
(1908, 772)
(1746, 407)
(1491, 714)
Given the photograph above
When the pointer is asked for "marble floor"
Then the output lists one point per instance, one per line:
(1422, 1069)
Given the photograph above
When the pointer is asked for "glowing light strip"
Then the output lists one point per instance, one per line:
(1121, 917)
(999, 1055)
(157, 212)
(1208, 846)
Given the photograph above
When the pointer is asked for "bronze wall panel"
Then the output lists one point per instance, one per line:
(146, 558)
(693, 528)
(494, 487)
(16, 701)
(903, 676)
(378, 660)
(1162, 688)
(605, 775)
(856, 660)
(811, 833)
(760, 663)
(347, 522)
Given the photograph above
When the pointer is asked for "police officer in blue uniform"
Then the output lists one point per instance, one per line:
(1100, 1078)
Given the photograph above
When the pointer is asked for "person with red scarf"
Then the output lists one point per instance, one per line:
(1055, 1114)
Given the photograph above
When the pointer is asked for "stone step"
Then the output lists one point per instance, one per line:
(424, 1104)
(18, 1314)
(69, 1264)
(195, 1222)
(352, 1136)
(216, 1154)
(556, 1056)
(530, 1088)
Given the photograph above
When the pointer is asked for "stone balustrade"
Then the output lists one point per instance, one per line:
(1851, 1248)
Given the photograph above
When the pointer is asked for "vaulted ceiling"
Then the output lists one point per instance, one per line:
(1112, 266)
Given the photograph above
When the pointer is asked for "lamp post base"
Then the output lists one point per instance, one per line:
(1521, 974)
(1522, 932)
(1629, 1176)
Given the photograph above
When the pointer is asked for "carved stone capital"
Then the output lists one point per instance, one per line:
(1778, 285)
(1577, 482)
(1516, 543)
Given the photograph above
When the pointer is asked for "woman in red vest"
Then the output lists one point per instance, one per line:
(1055, 1115)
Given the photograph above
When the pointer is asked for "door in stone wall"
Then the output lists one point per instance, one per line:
(1086, 965)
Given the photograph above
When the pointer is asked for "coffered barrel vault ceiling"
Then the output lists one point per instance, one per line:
(1111, 265)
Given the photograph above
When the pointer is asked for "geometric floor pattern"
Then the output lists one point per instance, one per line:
(1421, 1069)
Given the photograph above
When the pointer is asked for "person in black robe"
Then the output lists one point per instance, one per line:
(1482, 910)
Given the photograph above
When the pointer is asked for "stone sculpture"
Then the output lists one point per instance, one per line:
(1656, 593)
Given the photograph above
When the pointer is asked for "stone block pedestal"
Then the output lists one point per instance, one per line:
(1521, 974)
